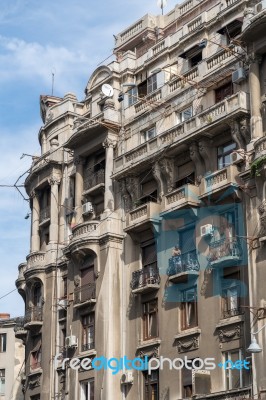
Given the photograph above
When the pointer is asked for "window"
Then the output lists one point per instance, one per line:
(184, 115)
(88, 328)
(2, 381)
(189, 317)
(233, 376)
(148, 134)
(87, 390)
(2, 342)
(231, 30)
(231, 295)
(224, 91)
(87, 289)
(187, 379)
(192, 56)
(64, 287)
(151, 385)
(150, 319)
(152, 83)
(195, 59)
(224, 153)
(132, 96)
(149, 255)
(37, 295)
(36, 354)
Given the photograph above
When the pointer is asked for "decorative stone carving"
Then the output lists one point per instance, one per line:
(187, 344)
(236, 134)
(228, 334)
(167, 169)
(262, 212)
(206, 150)
(156, 170)
(197, 160)
(133, 188)
(248, 14)
(79, 160)
(109, 143)
(245, 129)
(125, 195)
(54, 180)
(153, 352)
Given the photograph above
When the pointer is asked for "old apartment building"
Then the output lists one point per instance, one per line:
(148, 214)
(11, 359)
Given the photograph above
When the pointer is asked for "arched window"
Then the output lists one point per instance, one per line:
(37, 295)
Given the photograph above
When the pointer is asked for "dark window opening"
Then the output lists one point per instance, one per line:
(224, 91)
(232, 30)
(88, 332)
(151, 385)
(2, 342)
(195, 60)
(184, 181)
(143, 89)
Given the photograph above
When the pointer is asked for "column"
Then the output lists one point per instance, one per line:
(79, 162)
(109, 146)
(35, 220)
(255, 100)
(54, 182)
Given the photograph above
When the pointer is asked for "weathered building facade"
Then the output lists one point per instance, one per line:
(148, 214)
(11, 359)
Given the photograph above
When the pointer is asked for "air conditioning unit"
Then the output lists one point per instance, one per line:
(201, 382)
(260, 6)
(236, 158)
(62, 302)
(206, 230)
(127, 378)
(87, 208)
(239, 75)
(71, 341)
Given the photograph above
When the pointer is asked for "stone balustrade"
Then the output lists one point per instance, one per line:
(142, 215)
(84, 229)
(185, 195)
(232, 106)
(260, 147)
(219, 179)
(148, 101)
(36, 260)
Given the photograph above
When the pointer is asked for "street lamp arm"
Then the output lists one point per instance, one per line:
(255, 333)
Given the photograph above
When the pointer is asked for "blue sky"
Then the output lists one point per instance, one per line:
(69, 38)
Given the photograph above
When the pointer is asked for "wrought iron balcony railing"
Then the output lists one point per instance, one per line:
(85, 293)
(44, 214)
(94, 179)
(34, 314)
(224, 248)
(184, 263)
(149, 275)
(232, 313)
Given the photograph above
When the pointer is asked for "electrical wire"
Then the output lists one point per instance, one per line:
(7, 294)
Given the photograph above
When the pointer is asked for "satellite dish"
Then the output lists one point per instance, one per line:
(107, 90)
(162, 4)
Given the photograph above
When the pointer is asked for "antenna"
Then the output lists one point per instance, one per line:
(53, 74)
(161, 4)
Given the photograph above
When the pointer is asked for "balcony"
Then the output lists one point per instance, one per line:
(218, 181)
(33, 317)
(85, 232)
(216, 116)
(142, 217)
(183, 266)
(187, 195)
(85, 295)
(146, 279)
(35, 260)
(45, 215)
(94, 182)
(20, 331)
(224, 252)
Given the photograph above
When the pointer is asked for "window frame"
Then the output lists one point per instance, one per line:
(3, 342)
(88, 331)
(152, 83)
(227, 355)
(87, 389)
(2, 381)
(225, 153)
(181, 115)
(146, 136)
(132, 96)
(184, 309)
(150, 312)
(149, 382)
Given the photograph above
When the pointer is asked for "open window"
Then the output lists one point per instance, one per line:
(231, 292)
(192, 56)
(150, 319)
(88, 331)
(233, 376)
(232, 29)
(223, 91)
(185, 174)
(189, 312)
